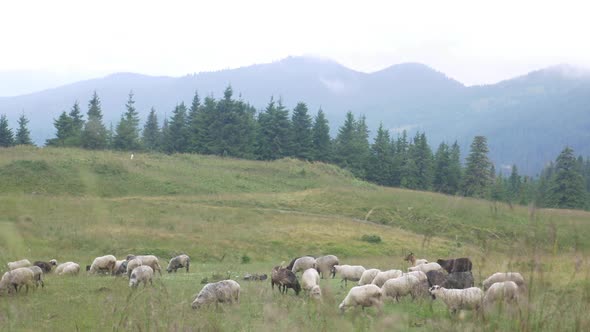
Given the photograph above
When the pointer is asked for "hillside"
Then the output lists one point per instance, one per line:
(527, 120)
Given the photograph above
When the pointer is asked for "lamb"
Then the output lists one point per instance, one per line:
(141, 273)
(504, 276)
(413, 260)
(70, 269)
(368, 276)
(17, 278)
(149, 260)
(364, 296)
(304, 263)
(18, 264)
(425, 267)
(179, 262)
(325, 264)
(285, 279)
(459, 299)
(106, 262)
(401, 286)
(382, 277)
(501, 292)
(219, 292)
(37, 275)
(349, 272)
(46, 266)
(310, 282)
(132, 264)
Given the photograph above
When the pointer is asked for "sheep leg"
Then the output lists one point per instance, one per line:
(187, 266)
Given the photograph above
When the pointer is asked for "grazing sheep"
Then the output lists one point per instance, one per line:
(458, 280)
(504, 292)
(383, 276)
(504, 276)
(132, 264)
(255, 277)
(459, 299)
(401, 286)
(290, 266)
(53, 262)
(413, 260)
(285, 279)
(219, 292)
(456, 264)
(349, 272)
(418, 274)
(120, 267)
(37, 275)
(18, 264)
(364, 296)
(425, 267)
(46, 266)
(60, 267)
(17, 278)
(304, 263)
(422, 287)
(70, 269)
(368, 276)
(325, 264)
(178, 262)
(310, 282)
(141, 273)
(149, 260)
(106, 262)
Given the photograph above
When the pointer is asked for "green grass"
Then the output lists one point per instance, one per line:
(74, 205)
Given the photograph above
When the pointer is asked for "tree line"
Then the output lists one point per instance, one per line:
(232, 127)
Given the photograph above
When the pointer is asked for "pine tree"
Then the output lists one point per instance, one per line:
(442, 169)
(514, 185)
(164, 135)
(352, 145)
(176, 139)
(94, 135)
(151, 132)
(455, 169)
(23, 135)
(400, 159)
(422, 156)
(321, 138)
(274, 131)
(77, 126)
(127, 132)
(477, 178)
(301, 133)
(6, 135)
(380, 162)
(63, 126)
(567, 184)
(195, 126)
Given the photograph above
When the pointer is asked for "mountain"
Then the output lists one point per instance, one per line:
(527, 120)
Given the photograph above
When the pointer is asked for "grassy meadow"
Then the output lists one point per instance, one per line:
(234, 217)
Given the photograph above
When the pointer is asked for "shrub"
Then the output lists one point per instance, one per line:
(371, 238)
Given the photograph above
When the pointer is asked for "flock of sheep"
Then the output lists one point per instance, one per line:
(449, 280)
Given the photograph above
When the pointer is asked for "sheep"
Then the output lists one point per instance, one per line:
(436, 277)
(120, 267)
(422, 287)
(141, 273)
(179, 262)
(459, 299)
(304, 263)
(70, 269)
(106, 262)
(219, 292)
(500, 293)
(149, 260)
(285, 279)
(325, 264)
(425, 267)
(59, 269)
(368, 276)
(504, 276)
(310, 281)
(401, 286)
(17, 278)
(46, 266)
(37, 275)
(290, 266)
(383, 276)
(18, 264)
(456, 265)
(349, 272)
(413, 260)
(459, 280)
(364, 296)
(132, 264)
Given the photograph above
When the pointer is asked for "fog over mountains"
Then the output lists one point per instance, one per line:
(528, 120)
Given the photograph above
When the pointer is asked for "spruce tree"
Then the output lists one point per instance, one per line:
(274, 131)
(455, 169)
(6, 135)
(422, 156)
(127, 133)
(301, 133)
(442, 172)
(95, 134)
(194, 125)
(176, 139)
(514, 185)
(77, 126)
(477, 178)
(400, 158)
(567, 184)
(151, 132)
(23, 135)
(321, 138)
(380, 161)
(63, 126)
(352, 145)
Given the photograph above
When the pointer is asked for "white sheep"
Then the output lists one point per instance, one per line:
(141, 273)
(218, 292)
(364, 296)
(37, 276)
(132, 264)
(18, 264)
(149, 260)
(309, 280)
(418, 274)
(425, 267)
(304, 263)
(106, 262)
(59, 269)
(383, 276)
(504, 292)
(70, 268)
(17, 278)
(401, 286)
(504, 276)
(325, 264)
(368, 276)
(422, 287)
(459, 299)
(349, 272)
(178, 262)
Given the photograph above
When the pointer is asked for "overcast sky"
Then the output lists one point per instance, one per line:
(472, 41)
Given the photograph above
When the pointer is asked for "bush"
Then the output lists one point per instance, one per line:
(245, 259)
(371, 238)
